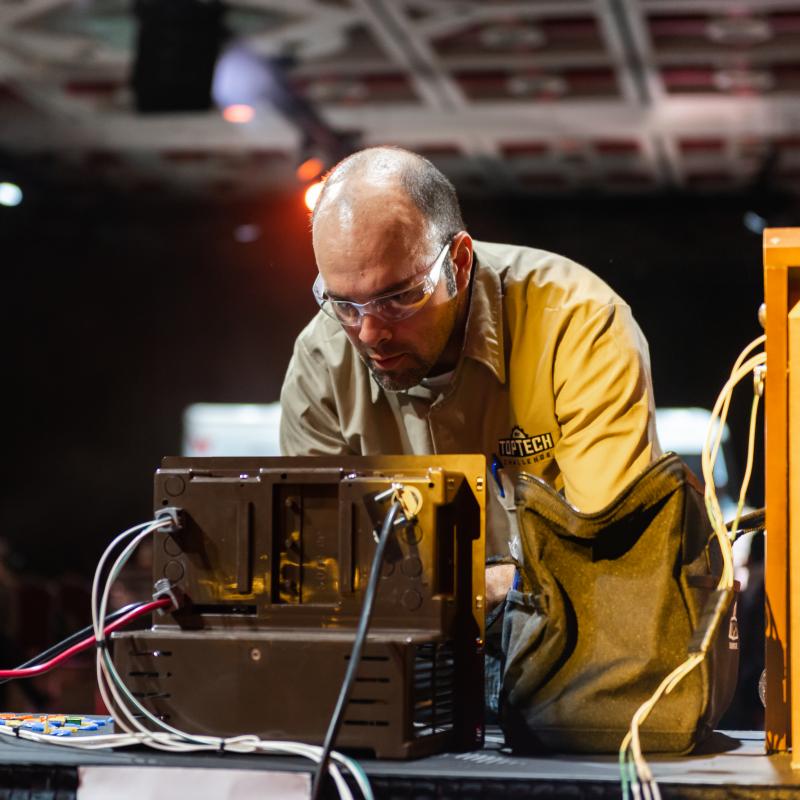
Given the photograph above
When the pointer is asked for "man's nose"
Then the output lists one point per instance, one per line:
(373, 331)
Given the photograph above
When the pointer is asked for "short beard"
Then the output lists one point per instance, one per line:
(399, 381)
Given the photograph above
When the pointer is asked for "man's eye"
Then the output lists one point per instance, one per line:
(408, 297)
(345, 311)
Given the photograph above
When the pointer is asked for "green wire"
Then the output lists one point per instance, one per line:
(623, 777)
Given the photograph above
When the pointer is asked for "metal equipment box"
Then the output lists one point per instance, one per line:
(271, 564)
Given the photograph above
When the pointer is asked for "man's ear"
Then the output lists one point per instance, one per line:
(461, 256)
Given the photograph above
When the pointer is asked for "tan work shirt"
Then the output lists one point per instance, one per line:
(553, 379)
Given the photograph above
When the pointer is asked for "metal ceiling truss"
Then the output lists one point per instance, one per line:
(612, 95)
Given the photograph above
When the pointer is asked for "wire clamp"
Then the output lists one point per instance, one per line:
(163, 588)
(174, 515)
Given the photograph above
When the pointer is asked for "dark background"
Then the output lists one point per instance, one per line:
(122, 309)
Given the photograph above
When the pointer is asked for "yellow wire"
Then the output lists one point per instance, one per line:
(712, 503)
(748, 470)
(741, 369)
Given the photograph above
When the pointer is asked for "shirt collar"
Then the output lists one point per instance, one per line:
(483, 339)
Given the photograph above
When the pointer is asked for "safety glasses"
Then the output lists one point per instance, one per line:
(390, 307)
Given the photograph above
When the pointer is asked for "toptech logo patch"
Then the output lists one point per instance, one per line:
(520, 445)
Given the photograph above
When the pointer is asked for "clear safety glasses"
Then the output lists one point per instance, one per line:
(390, 307)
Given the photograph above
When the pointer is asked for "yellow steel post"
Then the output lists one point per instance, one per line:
(781, 293)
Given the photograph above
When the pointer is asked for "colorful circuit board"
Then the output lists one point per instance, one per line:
(59, 724)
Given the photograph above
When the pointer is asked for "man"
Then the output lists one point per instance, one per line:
(429, 342)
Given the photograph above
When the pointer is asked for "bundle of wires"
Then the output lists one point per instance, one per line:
(128, 712)
(126, 709)
(636, 776)
(79, 642)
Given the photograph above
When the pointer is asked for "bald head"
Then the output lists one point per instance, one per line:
(384, 221)
(372, 185)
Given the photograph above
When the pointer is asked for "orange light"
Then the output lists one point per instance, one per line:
(312, 195)
(238, 113)
(309, 169)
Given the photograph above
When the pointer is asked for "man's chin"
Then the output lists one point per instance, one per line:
(398, 380)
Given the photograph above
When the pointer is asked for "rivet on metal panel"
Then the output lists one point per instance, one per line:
(387, 569)
(255, 654)
(174, 485)
(411, 566)
(173, 571)
(171, 547)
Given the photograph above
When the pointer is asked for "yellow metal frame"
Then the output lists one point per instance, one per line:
(782, 476)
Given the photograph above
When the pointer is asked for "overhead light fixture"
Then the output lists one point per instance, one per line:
(739, 30)
(532, 85)
(241, 78)
(238, 113)
(248, 233)
(754, 222)
(743, 81)
(312, 195)
(512, 36)
(10, 194)
(309, 169)
(244, 78)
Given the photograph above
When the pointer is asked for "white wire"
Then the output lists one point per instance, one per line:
(181, 741)
(109, 672)
(98, 571)
(99, 633)
(173, 739)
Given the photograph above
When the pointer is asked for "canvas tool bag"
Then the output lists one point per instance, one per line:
(606, 609)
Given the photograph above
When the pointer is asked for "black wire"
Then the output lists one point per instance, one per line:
(76, 637)
(355, 653)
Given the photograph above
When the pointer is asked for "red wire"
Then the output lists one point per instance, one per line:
(86, 644)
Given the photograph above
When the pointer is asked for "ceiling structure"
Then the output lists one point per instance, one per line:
(504, 95)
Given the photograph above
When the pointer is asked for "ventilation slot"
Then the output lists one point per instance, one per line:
(434, 674)
(368, 706)
(225, 608)
(153, 653)
(151, 695)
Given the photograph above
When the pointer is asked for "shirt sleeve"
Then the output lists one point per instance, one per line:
(309, 419)
(604, 405)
